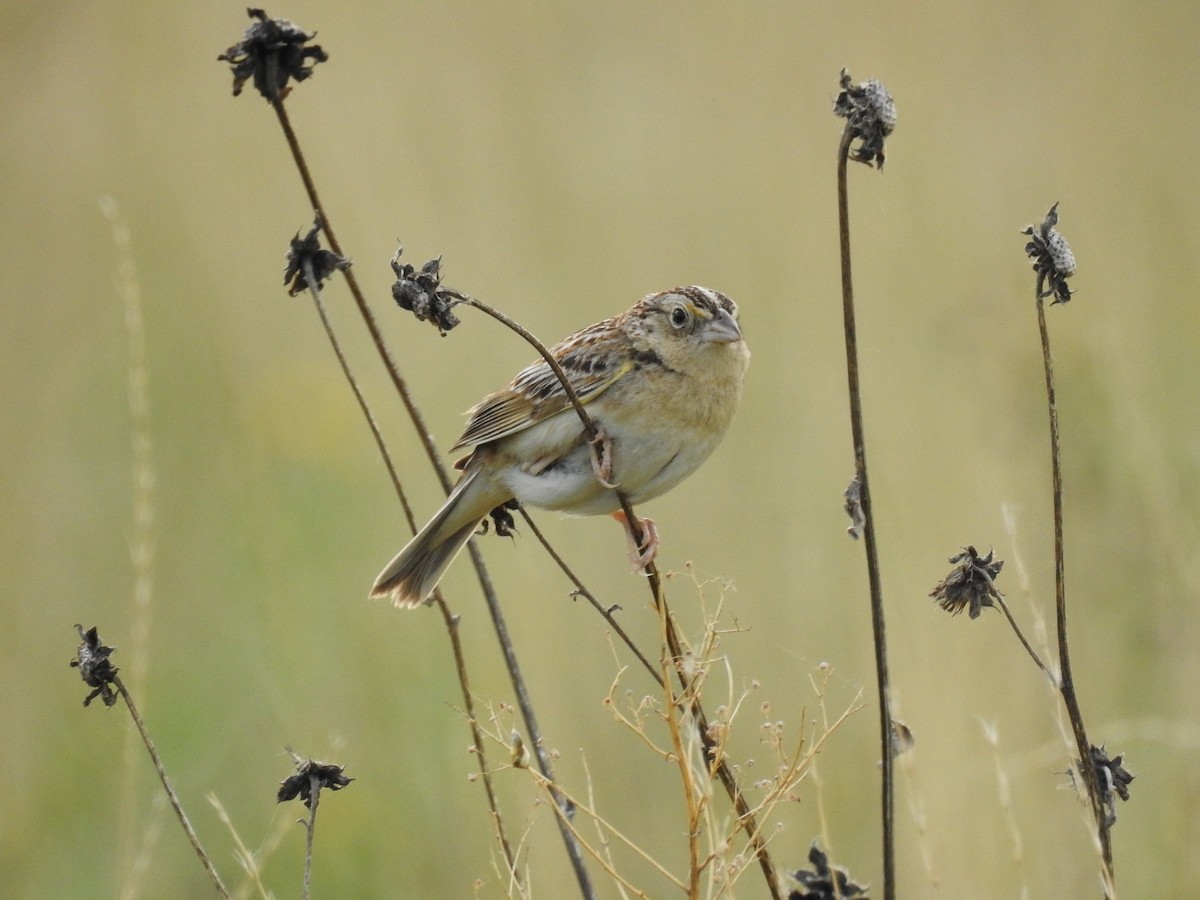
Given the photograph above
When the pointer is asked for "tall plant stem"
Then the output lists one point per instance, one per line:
(860, 465)
(450, 620)
(574, 851)
(1066, 684)
(192, 837)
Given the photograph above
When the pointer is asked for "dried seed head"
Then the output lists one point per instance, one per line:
(421, 293)
(1112, 779)
(306, 251)
(272, 51)
(870, 115)
(970, 584)
(311, 778)
(97, 672)
(1052, 257)
(824, 882)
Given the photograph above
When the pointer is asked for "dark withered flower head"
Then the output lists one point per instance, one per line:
(95, 668)
(307, 250)
(311, 775)
(420, 292)
(1112, 779)
(824, 882)
(970, 584)
(272, 51)
(1052, 257)
(870, 114)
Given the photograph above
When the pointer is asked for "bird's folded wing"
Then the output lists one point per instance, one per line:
(536, 393)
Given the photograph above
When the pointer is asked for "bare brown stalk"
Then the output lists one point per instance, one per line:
(192, 837)
(999, 598)
(360, 300)
(873, 576)
(450, 620)
(581, 590)
(1066, 684)
(310, 828)
(573, 851)
(364, 407)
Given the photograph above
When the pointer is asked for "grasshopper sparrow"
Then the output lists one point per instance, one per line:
(661, 381)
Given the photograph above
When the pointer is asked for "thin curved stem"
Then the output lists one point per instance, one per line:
(574, 853)
(315, 290)
(860, 463)
(360, 300)
(192, 837)
(1066, 681)
(1025, 643)
(310, 828)
(582, 591)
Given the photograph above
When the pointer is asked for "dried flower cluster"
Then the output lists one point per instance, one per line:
(306, 251)
(970, 584)
(420, 292)
(1052, 257)
(825, 882)
(1113, 779)
(870, 114)
(97, 672)
(311, 777)
(272, 51)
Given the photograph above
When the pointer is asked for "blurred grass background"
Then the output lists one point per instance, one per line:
(566, 159)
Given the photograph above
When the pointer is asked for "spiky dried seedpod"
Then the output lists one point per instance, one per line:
(272, 51)
(823, 881)
(1052, 257)
(1113, 780)
(420, 292)
(95, 668)
(310, 777)
(970, 584)
(870, 114)
(308, 250)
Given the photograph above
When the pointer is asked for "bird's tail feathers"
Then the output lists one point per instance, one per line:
(416, 570)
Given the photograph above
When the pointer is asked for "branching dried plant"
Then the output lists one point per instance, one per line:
(971, 584)
(719, 852)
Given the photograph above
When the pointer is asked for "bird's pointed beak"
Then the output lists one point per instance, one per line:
(722, 329)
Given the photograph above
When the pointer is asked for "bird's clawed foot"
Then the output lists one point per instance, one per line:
(640, 554)
(602, 454)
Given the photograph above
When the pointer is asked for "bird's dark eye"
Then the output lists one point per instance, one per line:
(679, 317)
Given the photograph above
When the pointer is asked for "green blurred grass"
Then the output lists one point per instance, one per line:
(565, 160)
